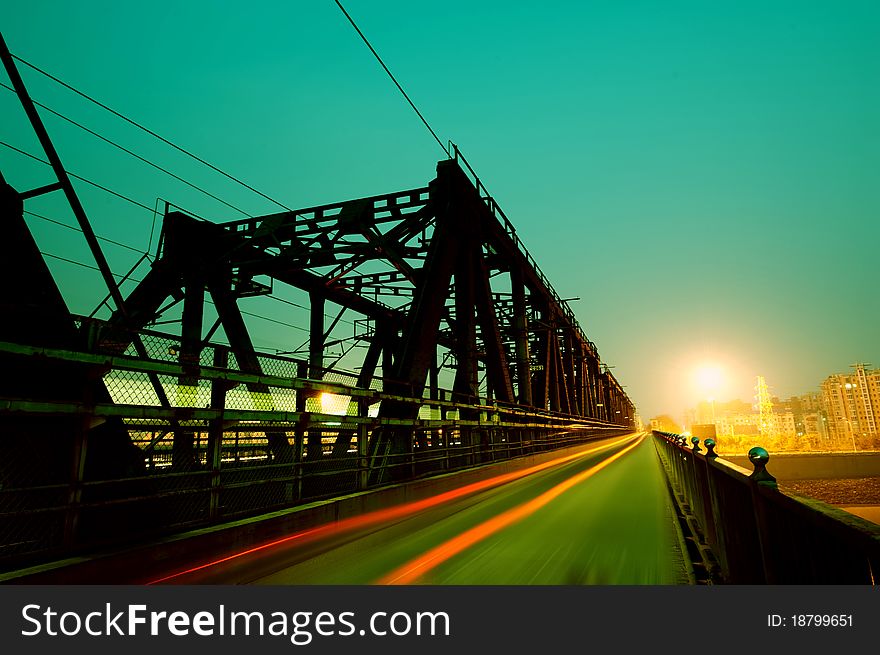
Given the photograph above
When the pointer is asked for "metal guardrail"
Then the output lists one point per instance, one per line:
(760, 535)
(219, 451)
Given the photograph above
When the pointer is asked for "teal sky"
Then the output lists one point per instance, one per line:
(704, 175)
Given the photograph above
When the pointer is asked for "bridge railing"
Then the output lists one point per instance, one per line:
(224, 444)
(758, 534)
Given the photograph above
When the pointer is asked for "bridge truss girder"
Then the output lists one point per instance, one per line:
(419, 266)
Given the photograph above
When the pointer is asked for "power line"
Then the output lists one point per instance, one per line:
(23, 152)
(95, 268)
(84, 265)
(393, 79)
(272, 320)
(77, 229)
(150, 132)
(293, 304)
(289, 302)
(133, 154)
(152, 210)
(160, 168)
(80, 177)
(111, 192)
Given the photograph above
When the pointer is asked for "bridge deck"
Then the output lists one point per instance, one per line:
(602, 518)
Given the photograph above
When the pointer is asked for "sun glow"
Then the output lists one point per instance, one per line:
(709, 379)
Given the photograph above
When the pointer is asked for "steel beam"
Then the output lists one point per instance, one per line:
(314, 446)
(183, 454)
(497, 368)
(243, 349)
(79, 211)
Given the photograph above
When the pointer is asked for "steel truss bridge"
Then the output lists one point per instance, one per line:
(111, 430)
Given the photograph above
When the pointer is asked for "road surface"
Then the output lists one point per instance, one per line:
(600, 516)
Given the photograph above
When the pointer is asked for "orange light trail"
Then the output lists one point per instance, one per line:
(390, 514)
(416, 568)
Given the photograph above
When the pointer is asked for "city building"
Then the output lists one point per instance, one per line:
(844, 414)
(810, 417)
(852, 403)
(738, 418)
(748, 424)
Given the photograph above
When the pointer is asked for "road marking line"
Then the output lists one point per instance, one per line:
(416, 568)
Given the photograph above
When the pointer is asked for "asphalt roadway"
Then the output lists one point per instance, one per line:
(601, 516)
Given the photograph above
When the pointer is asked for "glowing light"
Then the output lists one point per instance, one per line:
(332, 403)
(709, 378)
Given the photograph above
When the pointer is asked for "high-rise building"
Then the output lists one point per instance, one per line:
(808, 412)
(852, 403)
(766, 420)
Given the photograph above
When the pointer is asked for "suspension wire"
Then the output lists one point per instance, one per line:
(149, 131)
(133, 154)
(393, 79)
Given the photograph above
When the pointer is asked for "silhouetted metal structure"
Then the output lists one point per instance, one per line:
(109, 430)
(433, 254)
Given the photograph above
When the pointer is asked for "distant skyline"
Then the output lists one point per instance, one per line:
(703, 175)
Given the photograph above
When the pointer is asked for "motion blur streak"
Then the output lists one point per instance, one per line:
(396, 512)
(411, 571)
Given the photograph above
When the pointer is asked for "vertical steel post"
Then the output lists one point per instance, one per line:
(246, 356)
(466, 375)
(75, 488)
(215, 432)
(314, 447)
(495, 358)
(363, 445)
(182, 455)
(302, 372)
